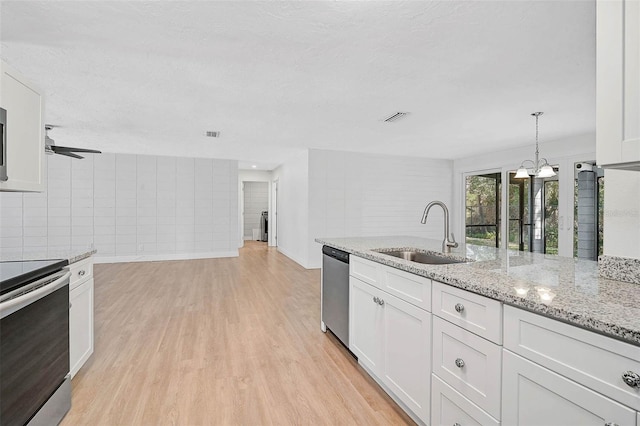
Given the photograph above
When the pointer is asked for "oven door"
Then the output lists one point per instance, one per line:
(34, 354)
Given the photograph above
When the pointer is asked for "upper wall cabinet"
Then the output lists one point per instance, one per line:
(618, 84)
(22, 133)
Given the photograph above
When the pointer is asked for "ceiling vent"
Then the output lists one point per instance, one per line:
(212, 134)
(395, 117)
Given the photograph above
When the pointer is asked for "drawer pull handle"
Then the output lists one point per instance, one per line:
(459, 308)
(81, 272)
(457, 424)
(459, 362)
(632, 379)
(610, 424)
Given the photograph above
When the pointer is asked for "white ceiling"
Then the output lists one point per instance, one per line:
(152, 77)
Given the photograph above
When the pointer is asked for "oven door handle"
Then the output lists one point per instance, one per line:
(10, 306)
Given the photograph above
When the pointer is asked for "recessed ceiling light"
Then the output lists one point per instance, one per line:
(395, 116)
(254, 166)
(212, 134)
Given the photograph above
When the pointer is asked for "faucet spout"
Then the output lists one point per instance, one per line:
(447, 243)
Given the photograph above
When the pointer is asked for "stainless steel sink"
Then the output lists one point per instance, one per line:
(421, 257)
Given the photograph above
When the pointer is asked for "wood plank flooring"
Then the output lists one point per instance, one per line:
(233, 341)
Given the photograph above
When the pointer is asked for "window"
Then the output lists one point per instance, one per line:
(482, 209)
(533, 214)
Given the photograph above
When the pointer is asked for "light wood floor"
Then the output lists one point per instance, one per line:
(219, 342)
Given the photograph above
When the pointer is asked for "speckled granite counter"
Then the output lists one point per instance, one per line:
(559, 287)
(72, 255)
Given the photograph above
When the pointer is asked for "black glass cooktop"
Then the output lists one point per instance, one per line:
(16, 274)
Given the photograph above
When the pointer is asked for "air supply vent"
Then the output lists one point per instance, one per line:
(395, 117)
(212, 134)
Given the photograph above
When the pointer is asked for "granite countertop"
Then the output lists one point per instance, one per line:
(562, 288)
(72, 256)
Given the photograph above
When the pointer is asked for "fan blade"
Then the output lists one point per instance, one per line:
(68, 154)
(60, 149)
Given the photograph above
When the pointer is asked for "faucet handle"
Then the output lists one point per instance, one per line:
(452, 242)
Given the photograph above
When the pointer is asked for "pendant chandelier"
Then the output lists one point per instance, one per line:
(540, 167)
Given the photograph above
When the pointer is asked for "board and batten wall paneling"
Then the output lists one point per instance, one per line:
(129, 207)
(356, 194)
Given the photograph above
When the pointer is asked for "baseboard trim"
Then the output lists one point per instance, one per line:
(166, 256)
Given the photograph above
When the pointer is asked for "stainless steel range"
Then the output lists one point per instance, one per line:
(35, 385)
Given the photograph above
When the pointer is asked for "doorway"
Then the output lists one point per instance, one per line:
(256, 211)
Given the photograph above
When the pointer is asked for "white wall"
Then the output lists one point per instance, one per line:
(293, 207)
(564, 153)
(130, 207)
(622, 213)
(356, 194)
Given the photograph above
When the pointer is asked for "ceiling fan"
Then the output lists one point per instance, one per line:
(50, 146)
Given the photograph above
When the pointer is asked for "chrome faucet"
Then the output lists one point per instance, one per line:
(447, 243)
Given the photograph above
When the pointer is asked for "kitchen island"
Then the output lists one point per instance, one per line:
(492, 338)
(565, 289)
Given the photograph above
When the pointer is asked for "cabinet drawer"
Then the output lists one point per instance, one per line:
(408, 287)
(533, 395)
(405, 285)
(80, 272)
(365, 270)
(478, 314)
(591, 359)
(468, 363)
(448, 407)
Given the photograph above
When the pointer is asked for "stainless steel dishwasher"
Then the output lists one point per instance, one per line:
(335, 293)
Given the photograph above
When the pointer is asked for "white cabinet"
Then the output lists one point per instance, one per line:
(595, 361)
(533, 395)
(448, 407)
(24, 132)
(80, 314)
(478, 314)
(365, 317)
(469, 364)
(618, 84)
(392, 339)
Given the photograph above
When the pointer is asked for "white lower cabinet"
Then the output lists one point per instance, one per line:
(365, 318)
(448, 407)
(392, 339)
(468, 363)
(80, 325)
(80, 313)
(533, 395)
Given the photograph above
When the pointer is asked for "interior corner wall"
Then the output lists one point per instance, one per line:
(357, 194)
(129, 207)
(622, 213)
(293, 207)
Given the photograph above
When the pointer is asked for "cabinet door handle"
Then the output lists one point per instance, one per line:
(81, 272)
(376, 300)
(459, 308)
(457, 424)
(459, 362)
(632, 379)
(380, 302)
(610, 424)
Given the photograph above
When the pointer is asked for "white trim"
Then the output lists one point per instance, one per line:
(161, 257)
